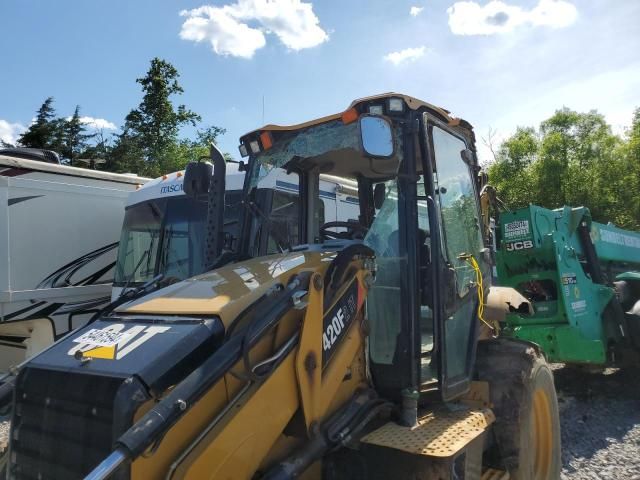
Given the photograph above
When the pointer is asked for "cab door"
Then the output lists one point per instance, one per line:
(460, 236)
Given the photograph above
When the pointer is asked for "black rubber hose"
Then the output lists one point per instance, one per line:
(166, 413)
(337, 268)
(338, 430)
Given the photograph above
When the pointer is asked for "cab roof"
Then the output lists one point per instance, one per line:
(411, 102)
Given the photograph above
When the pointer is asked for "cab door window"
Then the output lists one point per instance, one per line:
(461, 237)
(384, 301)
(428, 366)
(460, 220)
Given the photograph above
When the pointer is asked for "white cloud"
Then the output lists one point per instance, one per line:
(227, 28)
(470, 18)
(406, 55)
(226, 35)
(95, 123)
(9, 132)
(415, 11)
(98, 123)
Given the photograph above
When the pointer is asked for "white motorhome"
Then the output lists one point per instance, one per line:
(59, 229)
(164, 230)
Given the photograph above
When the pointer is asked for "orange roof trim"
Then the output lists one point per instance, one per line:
(266, 140)
(350, 116)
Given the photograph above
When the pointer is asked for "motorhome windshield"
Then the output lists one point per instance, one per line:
(166, 236)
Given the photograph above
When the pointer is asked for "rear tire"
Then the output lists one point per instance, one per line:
(523, 396)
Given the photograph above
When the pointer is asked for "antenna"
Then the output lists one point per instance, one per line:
(263, 109)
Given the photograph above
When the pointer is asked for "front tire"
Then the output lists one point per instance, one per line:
(523, 396)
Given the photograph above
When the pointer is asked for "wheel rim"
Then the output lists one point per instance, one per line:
(542, 435)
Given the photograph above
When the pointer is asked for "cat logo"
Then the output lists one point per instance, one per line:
(113, 342)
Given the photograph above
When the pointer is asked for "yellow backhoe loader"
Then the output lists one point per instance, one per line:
(338, 350)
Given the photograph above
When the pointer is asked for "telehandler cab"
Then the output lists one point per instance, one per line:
(352, 353)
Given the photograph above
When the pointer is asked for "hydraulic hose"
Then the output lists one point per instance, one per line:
(343, 426)
(157, 421)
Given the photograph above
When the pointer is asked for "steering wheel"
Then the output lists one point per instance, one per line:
(354, 230)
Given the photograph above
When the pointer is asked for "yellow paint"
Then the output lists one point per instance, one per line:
(440, 434)
(180, 435)
(108, 353)
(237, 446)
(228, 290)
(310, 350)
(249, 435)
(542, 433)
(339, 365)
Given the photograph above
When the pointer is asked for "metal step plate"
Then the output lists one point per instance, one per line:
(441, 434)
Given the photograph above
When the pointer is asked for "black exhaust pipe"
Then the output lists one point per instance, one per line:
(215, 209)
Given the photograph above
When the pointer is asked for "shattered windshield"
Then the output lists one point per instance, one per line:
(311, 142)
(328, 150)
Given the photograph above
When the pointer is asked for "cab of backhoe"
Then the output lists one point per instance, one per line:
(414, 166)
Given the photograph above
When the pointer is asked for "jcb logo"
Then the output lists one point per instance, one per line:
(513, 246)
(113, 342)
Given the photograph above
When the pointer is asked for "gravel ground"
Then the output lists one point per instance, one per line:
(600, 422)
(599, 418)
(4, 433)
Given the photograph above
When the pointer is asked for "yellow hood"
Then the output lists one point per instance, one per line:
(228, 290)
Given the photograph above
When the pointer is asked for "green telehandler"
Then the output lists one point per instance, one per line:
(582, 279)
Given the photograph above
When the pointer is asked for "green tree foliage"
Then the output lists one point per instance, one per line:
(46, 131)
(74, 136)
(98, 149)
(573, 159)
(149, 142)
(630, 178)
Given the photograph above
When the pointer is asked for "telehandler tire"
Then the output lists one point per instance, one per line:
(523, 397)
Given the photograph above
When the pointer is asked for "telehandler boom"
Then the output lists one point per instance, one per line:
(354, 352)
(583, 280)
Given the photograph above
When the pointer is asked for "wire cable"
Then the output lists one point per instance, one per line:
(473, 263)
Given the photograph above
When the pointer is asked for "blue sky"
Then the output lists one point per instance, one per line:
(497, 64)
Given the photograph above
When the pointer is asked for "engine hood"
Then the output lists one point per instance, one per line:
(228, 290)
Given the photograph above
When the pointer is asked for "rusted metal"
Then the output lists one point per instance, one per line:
(477, 396)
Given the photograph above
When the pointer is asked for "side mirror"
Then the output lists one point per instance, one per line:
(197, 177)
(467, 156)
(376, 135)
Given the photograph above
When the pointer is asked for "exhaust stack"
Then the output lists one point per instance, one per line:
(215, 209)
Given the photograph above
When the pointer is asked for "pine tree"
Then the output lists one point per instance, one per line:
(46, 132)
(149, 143)
(152, 128)
(75, 138)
